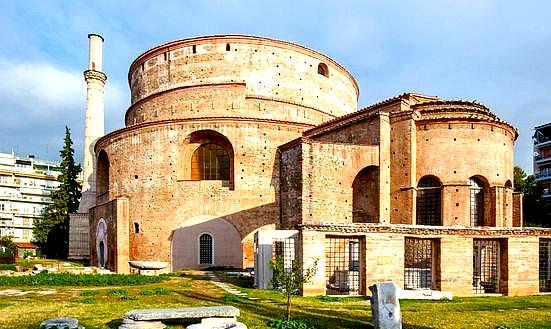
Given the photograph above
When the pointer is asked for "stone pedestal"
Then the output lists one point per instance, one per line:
(60, 323)
(385, 306)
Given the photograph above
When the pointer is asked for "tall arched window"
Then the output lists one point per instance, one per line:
(365, 196)
(206, 253)
(429, 200)
(210, 162)
(477, 201)
(102, 178)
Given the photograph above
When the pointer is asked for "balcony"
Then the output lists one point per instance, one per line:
(541, 141)
(541, 159)
(546, 193)
(543, 175)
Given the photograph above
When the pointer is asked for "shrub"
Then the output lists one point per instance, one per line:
(147, 293)
(7, 267)
(117, 292)
(88, 300)
(228, 298)
(186, 284)
(68, 279)
(162, 291)
(291, 324)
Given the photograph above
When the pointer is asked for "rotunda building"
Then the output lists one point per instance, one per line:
(195, 172)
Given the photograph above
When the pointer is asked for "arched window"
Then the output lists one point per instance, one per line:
(210, 162)
(508, 184)
(365, 196)
(323, 69)
(102, 178)
(429, 200)
(206, 253)
(477, 201)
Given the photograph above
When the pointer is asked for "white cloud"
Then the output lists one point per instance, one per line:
(38, 99)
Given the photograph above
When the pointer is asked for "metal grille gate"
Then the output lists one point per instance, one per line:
(485, 266)
(285, 248)
(545, 265)
(342, 266)
(418, 263)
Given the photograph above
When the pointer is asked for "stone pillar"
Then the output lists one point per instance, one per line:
(94, 123)
(385, 306)
(384, 168)
(122, 242)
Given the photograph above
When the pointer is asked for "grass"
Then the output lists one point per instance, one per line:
(103, 307)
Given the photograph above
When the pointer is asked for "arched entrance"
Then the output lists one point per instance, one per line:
(205, 241)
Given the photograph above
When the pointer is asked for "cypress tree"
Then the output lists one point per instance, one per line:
(51, 230)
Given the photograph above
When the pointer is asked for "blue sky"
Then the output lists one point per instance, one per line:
(495, 52)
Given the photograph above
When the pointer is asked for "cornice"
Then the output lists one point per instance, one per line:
(491, 232)
(95, 75)
(137, 127)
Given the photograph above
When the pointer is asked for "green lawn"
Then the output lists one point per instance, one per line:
(103, 307)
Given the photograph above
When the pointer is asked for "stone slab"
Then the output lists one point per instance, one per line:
(182, 313)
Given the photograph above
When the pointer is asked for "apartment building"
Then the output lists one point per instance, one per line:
(25, 187)
(542, 157)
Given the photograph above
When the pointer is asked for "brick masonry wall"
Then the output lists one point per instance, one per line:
(269, 68)
(456, 265)
(522, 266)
(402, 167)
(290, 184)
(384, 258)
(146, 164)
(328, 173)
(453, 152)
(220, 100)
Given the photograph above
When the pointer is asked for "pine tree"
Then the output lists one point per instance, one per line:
(51, 230)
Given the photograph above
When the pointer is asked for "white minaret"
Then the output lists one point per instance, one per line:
(93, 126)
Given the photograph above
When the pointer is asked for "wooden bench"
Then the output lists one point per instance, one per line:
(152, 318)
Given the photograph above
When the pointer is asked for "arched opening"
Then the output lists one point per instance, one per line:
(101, 243)
(323, 69)
(477, 201)
(206, 249)
(508, 184)
(365, 196)
(212, 156)
(429, 201)
(102, 176)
